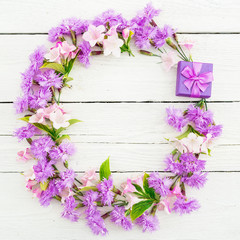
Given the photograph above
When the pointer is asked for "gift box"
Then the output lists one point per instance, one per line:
(194, 79)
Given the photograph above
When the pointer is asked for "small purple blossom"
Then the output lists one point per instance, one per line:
(62, 152)
(143, 36)
(197, 180)
(147, 222)
(37, 57)
(175, 118)
(21, 104)
(112, 18)
(202, 119)
(27, 80)
(160, 185)
(161, 35)
(49, 79)
(145, 16)
(69, 211)
(183, 206)
(85, 50)
(67, 179)
(93, 216)
(26, 132)
(49, 193)
(105, 191)
(214, 130)
(41, 146)
(43, 170)
(118, 217)
(39, 98)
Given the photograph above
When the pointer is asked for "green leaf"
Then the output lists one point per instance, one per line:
(40, 126)
(44, 185)
(139, 208)
(89, 188)
(209, 152)
(138, 188)
(60, 139)
(71, 121)
(56, 66)
(149, 191)
(104, 171)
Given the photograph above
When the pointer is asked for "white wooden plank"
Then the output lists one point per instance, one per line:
(127, 78)
(124, 157)
(190, 16)
(129, 123)
(21, 217)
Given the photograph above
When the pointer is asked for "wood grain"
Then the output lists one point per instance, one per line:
(127, 78)
(23, 218)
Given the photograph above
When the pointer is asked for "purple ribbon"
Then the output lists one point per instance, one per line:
(195, 81)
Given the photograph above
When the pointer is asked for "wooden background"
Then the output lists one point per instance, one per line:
(122, 103)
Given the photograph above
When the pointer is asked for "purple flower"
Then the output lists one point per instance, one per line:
(40, 98)
(105, 191)
(214, 130)
(147, 222)
(43, 170)
(37, 58)
(69, 211)
(143, 36)
(183, 206)
(172, 165)
(145, 16)
(84, 53)
(93, 216)
(112, 18)
(189, 163)
(27, 78)
(161, 186)
(49, 79)
(96, 222)
(197, 180)
(62, 152)
(202, 119)
(49, 193)
(21, 104)
(175, 118)
(77, 25)
(161, 35)
(41, 146)
(67, 179)
(119, 218)
(26, 132)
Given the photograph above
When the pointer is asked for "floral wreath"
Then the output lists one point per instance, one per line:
(93, 195)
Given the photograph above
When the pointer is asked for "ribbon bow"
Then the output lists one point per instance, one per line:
(195, 81)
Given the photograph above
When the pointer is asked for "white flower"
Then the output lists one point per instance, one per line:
(193, 142)
(94, 34)
(178, 144)
(207, 143)
(59, 119)
(168, 60)
(112, 45)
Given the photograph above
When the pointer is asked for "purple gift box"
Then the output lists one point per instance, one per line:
(194, 79)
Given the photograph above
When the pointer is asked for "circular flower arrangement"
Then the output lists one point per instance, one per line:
(93, 195)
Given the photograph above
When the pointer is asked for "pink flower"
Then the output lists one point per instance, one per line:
(39, 117)
(24, 156)
(65, 193)
(94, 34)
(178, 144)
(207, 142)
(164, 205)
(29, 174)
(112, 31)
(112, 45)
(89, 177)
(61, 50)
(193, 143)
(138, 180)
(67, 50)
(131, 200)
(54, 55)
(177, 191)
(187, 43)
(127, 186)
(125, 33)
(168, 60)
(59, 119)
